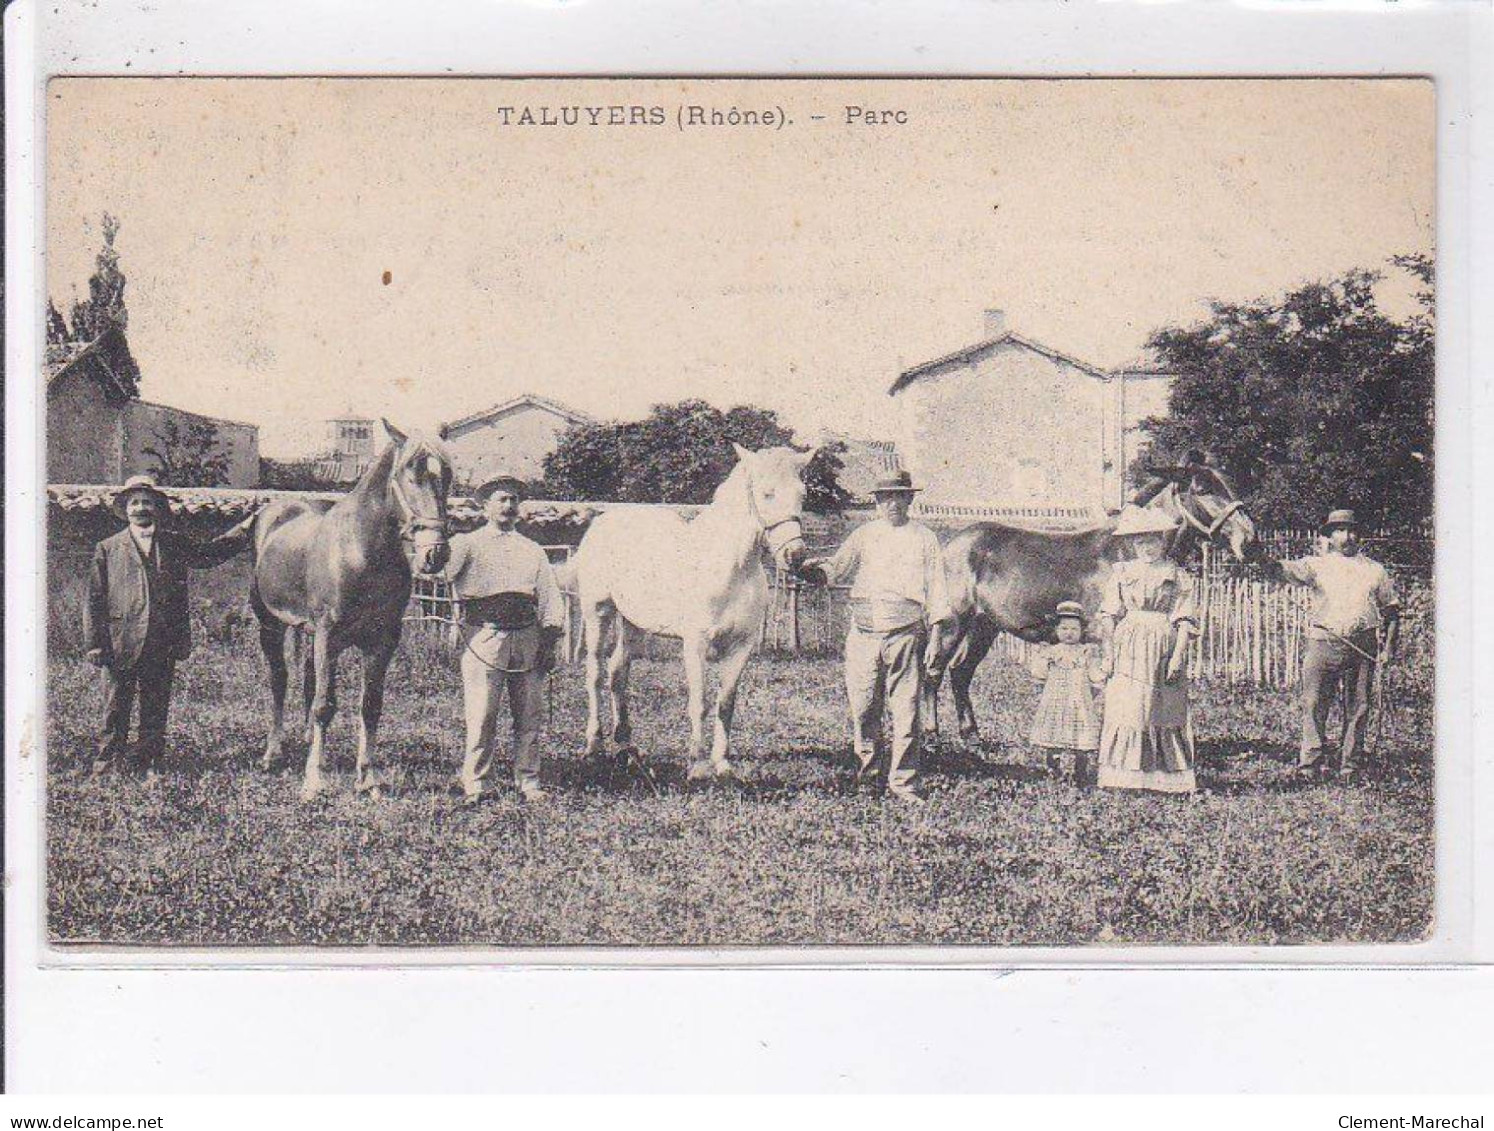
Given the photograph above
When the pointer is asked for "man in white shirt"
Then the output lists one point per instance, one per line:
(898, 594)
(512, 616)
(1353, 626)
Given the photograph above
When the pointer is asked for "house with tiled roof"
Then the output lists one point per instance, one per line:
(98, 427)
(1012, 423)
(512, 437)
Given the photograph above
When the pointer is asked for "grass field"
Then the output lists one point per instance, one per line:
(216, 852)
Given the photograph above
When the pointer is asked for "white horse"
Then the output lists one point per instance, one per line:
(647, 570)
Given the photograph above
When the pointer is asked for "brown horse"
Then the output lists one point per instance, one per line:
(343, 571)
(1007, 579)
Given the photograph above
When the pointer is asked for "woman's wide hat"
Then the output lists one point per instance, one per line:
(1339, 519)
(895, 483)
(1144, 520)
(139, 485)
(510, 483)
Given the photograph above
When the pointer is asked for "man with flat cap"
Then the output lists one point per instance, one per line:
(1352, 628)
(136, 625)
(512, 618)
(898, 595)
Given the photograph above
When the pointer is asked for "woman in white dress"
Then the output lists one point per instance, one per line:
(1148, 618)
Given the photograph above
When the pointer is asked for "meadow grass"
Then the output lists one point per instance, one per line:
(217, 852)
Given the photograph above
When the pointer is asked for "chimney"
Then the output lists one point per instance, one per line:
(995, 324)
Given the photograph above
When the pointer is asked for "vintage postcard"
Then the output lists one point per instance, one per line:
(692, 513)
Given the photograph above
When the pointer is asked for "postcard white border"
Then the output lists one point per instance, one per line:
(820, 38)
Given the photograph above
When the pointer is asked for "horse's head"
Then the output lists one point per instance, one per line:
(1204, 501)
(775, 492)
(419, 480)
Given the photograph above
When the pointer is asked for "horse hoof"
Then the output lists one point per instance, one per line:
(702, 770)
(310, 792)
(726, 770)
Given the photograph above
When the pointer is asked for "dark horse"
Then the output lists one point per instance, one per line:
(1007, 579)
(343, 570)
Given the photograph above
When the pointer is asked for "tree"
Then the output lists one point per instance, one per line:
(105, 305)
(679, 453)
(104, 309)
(188, 456)
(297, 474)
(57, 334)
(1315, 401)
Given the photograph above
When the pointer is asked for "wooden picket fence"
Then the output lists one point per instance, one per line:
(1251, 632)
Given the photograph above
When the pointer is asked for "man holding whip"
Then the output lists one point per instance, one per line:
(1352, 632)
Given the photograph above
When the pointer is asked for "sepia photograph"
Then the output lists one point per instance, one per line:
(739, 513)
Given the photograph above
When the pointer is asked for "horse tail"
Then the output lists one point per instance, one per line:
(565, 575)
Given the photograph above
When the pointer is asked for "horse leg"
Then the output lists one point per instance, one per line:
(321, 710)
(695, 680)
(308, 685)
(594, 620)
(949, 641)
(375, 666)
(618, 666)
(978, 640)
(730, 673)
(272, 644)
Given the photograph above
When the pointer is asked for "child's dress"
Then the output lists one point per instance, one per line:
(1068, 717)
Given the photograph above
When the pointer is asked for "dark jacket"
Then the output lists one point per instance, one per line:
(121, 603)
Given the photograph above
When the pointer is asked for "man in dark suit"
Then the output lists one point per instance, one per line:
(136, 622)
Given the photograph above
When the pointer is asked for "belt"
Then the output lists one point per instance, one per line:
(885, 615)
(508, 612)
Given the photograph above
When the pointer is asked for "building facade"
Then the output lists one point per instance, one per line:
(98, 430)
(351, 445)
(1012, 423)
(511, 438)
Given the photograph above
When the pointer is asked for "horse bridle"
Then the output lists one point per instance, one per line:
(415, 522)
(772, 526)
(765, 529)
(1208, 530)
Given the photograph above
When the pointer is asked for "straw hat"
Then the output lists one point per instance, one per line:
(513, 485)
(139, 485)
(1143, 520)
(895, 483)
(1339, 518)
(1068, 609)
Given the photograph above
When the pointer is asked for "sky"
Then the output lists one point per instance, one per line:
(798, 267)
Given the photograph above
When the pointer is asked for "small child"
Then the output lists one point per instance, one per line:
(1068, 718)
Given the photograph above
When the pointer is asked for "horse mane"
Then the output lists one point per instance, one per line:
(376, 478)
(732, 489)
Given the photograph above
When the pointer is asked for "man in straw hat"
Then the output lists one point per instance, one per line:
(898, 595)
(136, 624)
(1353, 627)
(512, 617)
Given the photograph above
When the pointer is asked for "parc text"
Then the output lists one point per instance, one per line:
(696, 116)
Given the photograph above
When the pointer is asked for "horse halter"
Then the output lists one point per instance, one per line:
(765, 528)
(416, 523)
(1207, 529)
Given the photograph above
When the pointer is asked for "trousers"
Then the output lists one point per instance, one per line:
(884, 670)
(1326, 665)
(149, 681)
(483, 688)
